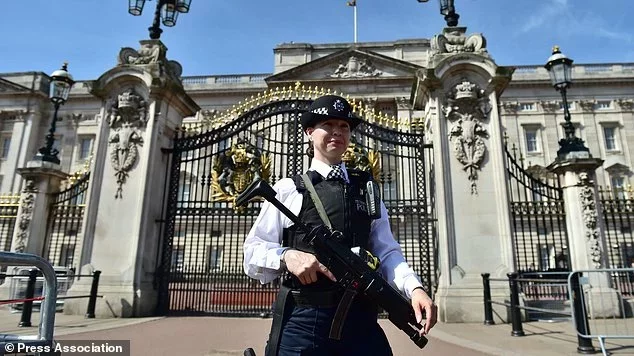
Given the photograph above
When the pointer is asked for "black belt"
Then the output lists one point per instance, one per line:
(318, 299)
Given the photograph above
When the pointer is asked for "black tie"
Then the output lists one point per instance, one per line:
(336, 173)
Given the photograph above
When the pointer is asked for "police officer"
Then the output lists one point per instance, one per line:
(310, 293)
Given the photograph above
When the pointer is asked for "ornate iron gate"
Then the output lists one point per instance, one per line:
(201, 268)
(538, 218)
(617, 207)
(65, 222)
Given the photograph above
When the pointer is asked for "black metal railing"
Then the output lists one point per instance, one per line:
(538, 219)
(33, 293)
(617, 206)
(515, 282)
(65, 223)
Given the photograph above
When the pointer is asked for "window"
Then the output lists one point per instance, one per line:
(185, 189)
(546, 257)
(57, 145)
(571, 105)
(85, 145)
(66, 255)
(178, 258)
(527, 107)
(532, 145)
(214, 257)
(618, 186)
(6, 144)
(603, 105)
(609, 133)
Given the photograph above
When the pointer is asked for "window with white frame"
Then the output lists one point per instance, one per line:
(85, 147)
(527, 106)
(603, 105)
(531, 133)
(618, 186)
(66, 255)
(609, 135)
(214, 257)
(571, 105)
(6, 144)
(178, 258)
(575, 125)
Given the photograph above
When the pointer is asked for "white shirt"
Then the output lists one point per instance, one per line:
(262, 247)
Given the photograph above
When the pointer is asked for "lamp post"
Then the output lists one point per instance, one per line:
(167, 10)
(448, 9)
(61, 82)
(560, 69)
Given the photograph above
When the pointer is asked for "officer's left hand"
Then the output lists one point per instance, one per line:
(422, 303)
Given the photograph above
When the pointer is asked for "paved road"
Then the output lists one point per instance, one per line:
(207, 336)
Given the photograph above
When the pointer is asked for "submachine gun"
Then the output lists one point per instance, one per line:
(353, 272)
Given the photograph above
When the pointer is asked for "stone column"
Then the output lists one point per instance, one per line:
(585, 229)
(42, 179)
(459, 91)
(143, 103)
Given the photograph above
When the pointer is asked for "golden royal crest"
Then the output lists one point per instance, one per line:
(236, 168)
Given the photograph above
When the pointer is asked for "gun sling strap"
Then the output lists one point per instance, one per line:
(348, 296)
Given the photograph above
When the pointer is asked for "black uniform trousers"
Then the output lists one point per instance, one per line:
(306, 333)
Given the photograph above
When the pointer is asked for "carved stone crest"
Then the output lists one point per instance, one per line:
(151, 52)
(454, 40)
(467, 107)
(27, 204)
(625, 104)
(587, 105)
(356, 68)
(236, 168)
(126, 116)
(510, 107)
(590, 218)
(549, 105)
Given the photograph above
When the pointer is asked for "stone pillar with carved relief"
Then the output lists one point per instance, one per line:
(586, 239)
(41, 180)
(143, 104)
(459, 91)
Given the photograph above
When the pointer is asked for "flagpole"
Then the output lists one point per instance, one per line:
(355, 22)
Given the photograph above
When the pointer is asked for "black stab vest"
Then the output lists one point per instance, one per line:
(346, 208)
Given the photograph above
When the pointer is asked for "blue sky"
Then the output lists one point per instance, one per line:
(238, 36)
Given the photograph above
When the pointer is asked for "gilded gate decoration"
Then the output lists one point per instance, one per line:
(236, 168)
(211, 162)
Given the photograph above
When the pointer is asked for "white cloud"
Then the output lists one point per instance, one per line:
(558, 17)
(547, 12)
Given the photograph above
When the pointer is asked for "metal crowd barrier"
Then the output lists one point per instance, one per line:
(602, 311)
(44, 336)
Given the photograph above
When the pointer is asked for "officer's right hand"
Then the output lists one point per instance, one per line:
(305, 266)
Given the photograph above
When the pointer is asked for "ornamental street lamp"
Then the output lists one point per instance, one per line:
(447, 8)
(560, 69)
(61, 82)
(166, 10)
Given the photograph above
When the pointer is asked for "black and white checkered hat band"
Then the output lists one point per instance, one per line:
(320, 111)
(324, 111)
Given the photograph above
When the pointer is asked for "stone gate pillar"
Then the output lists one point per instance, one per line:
(586, 231)
(143, 103)
(41, 180)
(459, 92)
